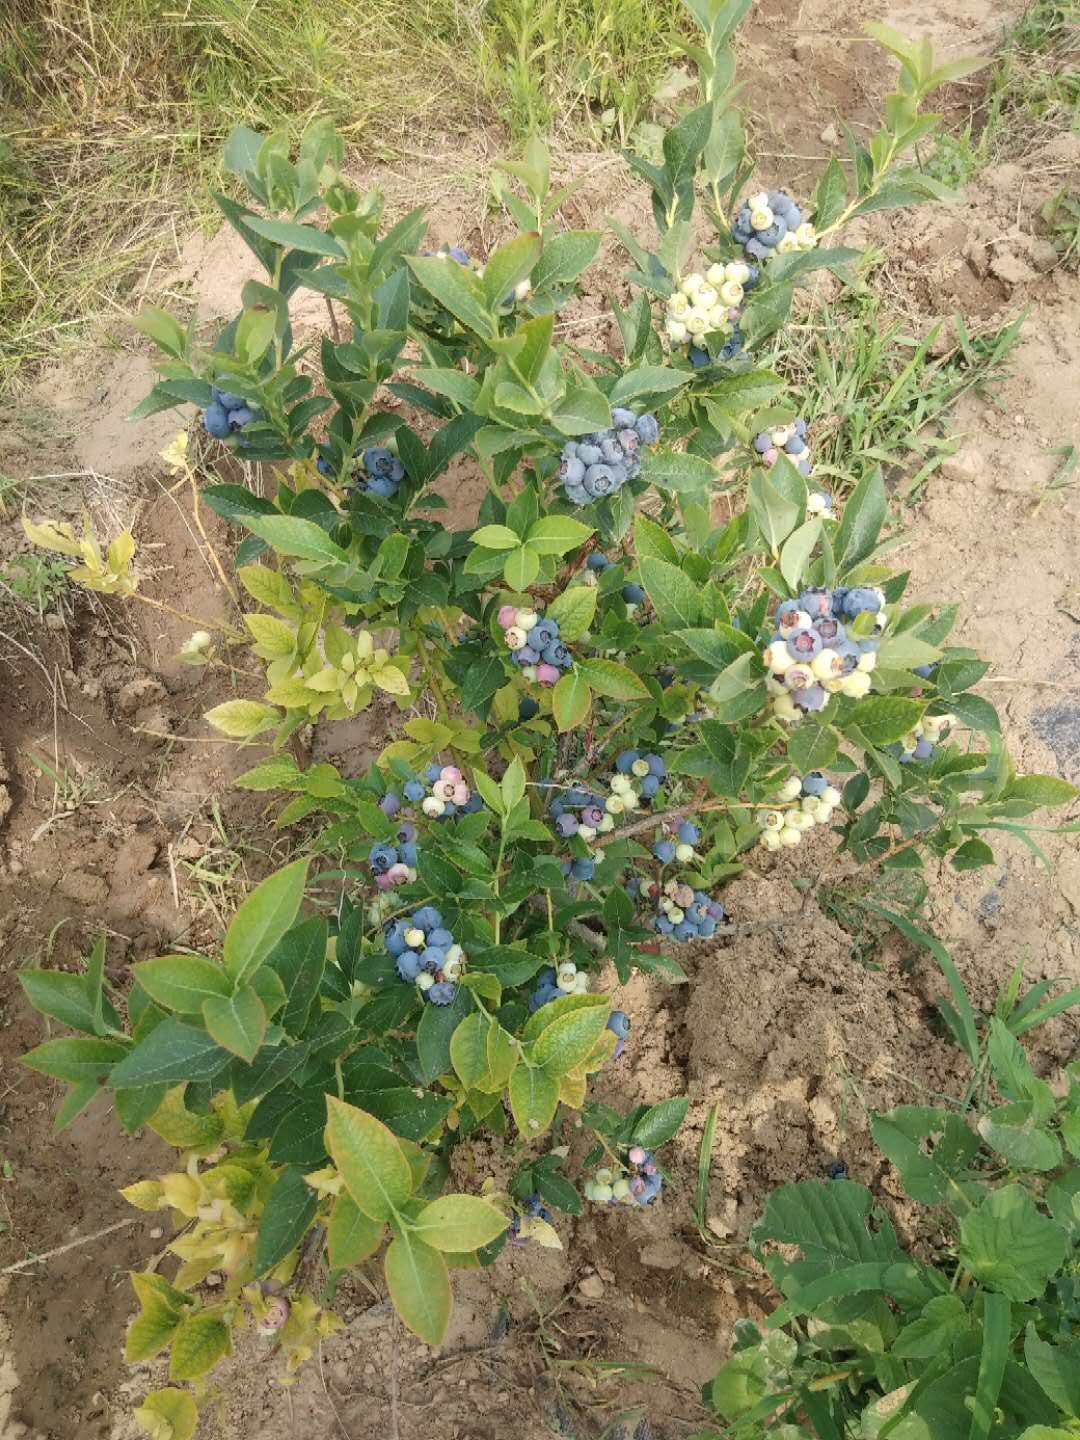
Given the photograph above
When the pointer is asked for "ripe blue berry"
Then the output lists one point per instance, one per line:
(216, 421)
(633, 594)
(664, 851)
(597, 559)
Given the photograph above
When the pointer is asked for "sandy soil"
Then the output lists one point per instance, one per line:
(784, 1031)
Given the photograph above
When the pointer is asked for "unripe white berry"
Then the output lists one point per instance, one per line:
(826, 664)
(587, 832)
(606, 825)
(684, 853)
(433, 807)
(620, 784)
(604, 1176)
(454, 955)
(602, 1194)
(640, 768)
(787, 244)
(515, 637)
(731, 292)
(718, 318)
(774, 686)
(692, 283)
(831, 796)
(760, 201)
(738, 271)
(581, 983)
(566, 984)
(526, 619)
(781, 435)
(770, 840)
(677, 333)
(778, 658)
(771, 819)
(522, 290)
(790, 835)
(529, 671)
(806, 235)
(856, 685)
(621, 1188)
(799, 621)
(678, 305)
(810, 805)
(451, 969)
(697, 321)
(800, 820)
(613, 805)
(761, 219)
(424, 981)
(834, 686)
(785, 710)
(791, 788)
(676, 915)
(815, 504)
(631, 800)
(413, 937)
(868, 661)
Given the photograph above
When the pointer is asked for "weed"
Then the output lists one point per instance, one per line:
(1062, 217)
(886, 394)
(41, 582)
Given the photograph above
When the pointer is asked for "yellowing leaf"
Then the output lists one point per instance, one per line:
(268, 587)
(168, 1415)
(52, 535)
(352, 1235)
(533, 1228)
(419, 1286)
(243, 719)
(458, 1222)
(390, 679)
(144, 1195)
(273, 638)
(199, 1343)
(376, 1172)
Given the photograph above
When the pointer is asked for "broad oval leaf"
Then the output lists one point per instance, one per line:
(372, 1163)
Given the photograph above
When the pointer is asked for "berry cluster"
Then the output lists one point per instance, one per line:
(226, 414)
(639, 1186)
(394, 864)
(708, 304)
(532, 1208)
(593, 817)
(597, 563)
(771, 221)
(535, 644)
(812, 656)
(791, 439)
(600, 464)
(426, 954)
(441, 794)
(551, 983)
(920, 743)
(683, 913)
(381, 473)
(817, 800)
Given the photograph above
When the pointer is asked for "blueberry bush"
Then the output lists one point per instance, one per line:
(610, 703)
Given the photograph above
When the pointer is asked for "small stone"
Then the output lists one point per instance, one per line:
(961, 469)
(1011, 269)
(1043, 256)
(138, 693)
(830, 135)
(156, 1233)
(592, 1287)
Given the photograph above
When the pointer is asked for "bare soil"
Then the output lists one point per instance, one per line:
(783, 1030)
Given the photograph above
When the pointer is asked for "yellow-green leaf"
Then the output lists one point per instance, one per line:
(151, 1330)
(419, 1285)
(372, 1163)
(534, 1096)
(273, 638)
(568, 1042)
(468, 1049)
(573, 611)
(199, 1343)
(538, 1022)
(352, 1236)
(571, 700)
(182, 982)
(168, 1415)
(268, 587)
(177, 1125)
(459, 1222)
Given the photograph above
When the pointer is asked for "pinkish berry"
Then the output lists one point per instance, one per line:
(507, 616)
(628, 439)
(637, 1186)
(461, 794)
(769, 458)
(383, 881)
(547, 674)
(450, 773)
(397, 874)
(649, 1168)
(637, 1155)
(276, 1315)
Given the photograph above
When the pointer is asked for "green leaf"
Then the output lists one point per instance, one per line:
(556, 534)
(571, 700)
(64, 997)
(171, 1052)
(509, 264)
(293, 535)
(660, 1122)
(454, 384)
(830, 1223)
(371, 1161)
(683, 145)
(719, 646)
(674, 596)
(1041, 790)
(76, 1060)
(263, 919)
(152, 1329)
(652, 540)
(1055, 1368)
(647, 380)
(299, 960)
(433, 1034)
(972, 855)
(682, 474)
(582, 411)
(243, 719)
(565, 256)
(775, 513)
(796, 552)
(830, 197)
(811, 746)
(296, 237)
(199, 1343)
(1009, 1246)
(1014, 1134)
(569, 1040)
(238, 1022)
(74, 1103)
(182, 982)
(534, 1096)
(881, 719)
(864, 515)
(458, 1223)
(966, 1034)
(510, 965)
(521, 567)
(997, 1315)
(944, 1321)
(419, 1286)
(930, 1148)
(286, 1218)
(573, 611)
(607, 677)
(457, 289)
(164, 329)
(351, 1235)
(496, 537)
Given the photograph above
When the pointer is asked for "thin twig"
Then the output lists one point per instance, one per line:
(71, 1245)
